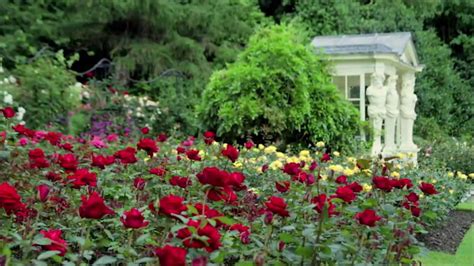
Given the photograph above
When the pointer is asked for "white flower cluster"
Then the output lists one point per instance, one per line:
(141, 107)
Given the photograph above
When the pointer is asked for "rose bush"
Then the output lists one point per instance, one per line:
(150, 199)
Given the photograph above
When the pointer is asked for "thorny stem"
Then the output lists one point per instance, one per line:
(315, 260)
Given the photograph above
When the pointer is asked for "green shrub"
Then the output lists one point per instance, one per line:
(278, 90)
(46, 89)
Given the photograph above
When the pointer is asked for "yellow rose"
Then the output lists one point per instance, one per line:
(215, 143)
(259, 169)
(252, 160)
(270, 149)
(320, 144)
(293, 159)
(471, 175)
(450, 174)
(255, 150)
(261, 147)
(351, 160)
(304, 153)
(280, 155)
(262, 158)
(238, 164)
(348, 172)
(224, 145)
(395, 174)
(366, 187)
(336, 168)
(276, 165)
(336, 153)
(324, 177)
(401, 155)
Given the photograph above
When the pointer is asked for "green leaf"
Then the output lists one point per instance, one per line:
(217, 257)
(105, 260)
(141, 239)
(304, 251)
(226, 220)
(145, 260)
(244, 263)
(42, 241)
(48, 254)
(286, 237)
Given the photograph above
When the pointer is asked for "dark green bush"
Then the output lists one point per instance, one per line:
(278, 90)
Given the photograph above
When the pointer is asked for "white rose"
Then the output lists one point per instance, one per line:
(8, 99)
(12, 79)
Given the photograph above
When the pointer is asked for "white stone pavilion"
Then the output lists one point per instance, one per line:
(376, 72)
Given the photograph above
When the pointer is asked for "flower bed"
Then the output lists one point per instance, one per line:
(69, 200)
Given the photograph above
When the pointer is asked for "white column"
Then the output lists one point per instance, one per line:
(408, 115)
(392, 112)
(376, 94)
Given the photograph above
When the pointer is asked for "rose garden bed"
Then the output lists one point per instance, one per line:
(144, 198)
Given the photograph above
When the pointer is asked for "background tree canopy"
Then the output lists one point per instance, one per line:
(196, 37)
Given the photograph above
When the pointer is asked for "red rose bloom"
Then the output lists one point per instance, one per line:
(126, 156)
(158, 171)
(193, 155)
(355, 187)
(57, 242)
(325, 158)
(101, 161)
(209, 137)
(145, 130)
(133, 219)
(345, 193)
(313, 166)
(179, 181)
(211, 233)
(68, 161)
(382, 183)
(8, 112)
(82, 177)
(321, 200)
(231, 153)
(244, 232)
(172, 204)
(171, 256)
(93, 207)
(43, 192)
(292, 168)
(139, 183)
(162, 137)
(249, 144)
(148, 145)
(282, 186)
(415, 211)
(207, 211)
(368, 217)
(236, 180)
(9, 199)
(342, 179)
(428, 188)
(54, 138)
(37, 159)
(277, 205)
(214, 176)
(52, 176)
(222, 194)
(412, 197)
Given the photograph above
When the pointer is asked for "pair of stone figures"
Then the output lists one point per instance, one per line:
(386, 106)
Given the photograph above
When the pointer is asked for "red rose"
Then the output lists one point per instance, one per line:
(236, 180)
(428, 188)
(172, 204)
(405, 182)
(319, 202)
(133, 219)
(43, 192)
(3, 136)
(249, 144)
(210, 233)
(222, 194)
(180, 150)
(209, 137)
(244, 232)
(37, 159)
(292, 168)
(93, 207)
(36, 153)
(277, 205)
(207, 211)
(171, 256)
(8, 112)
(162, 137)
(158, 171)
(148, 145)
(139, 183)
(193, 155)
(412, 197)
(415, 211)
(126, 156)
(345, 193)
(22, 130)
(145, 130)
(355, 187)
(231, 153)
(9, 199)
(325, 158)
(101, 161)
(282, 186)
(57, 242)
(301, 176)
(382, 183)
(82, 177)
(52, 176)
(368, 217)
(68, 161)
(54, 138)
(313, 166)
(179, 181)
(214, 176)
(342, 179)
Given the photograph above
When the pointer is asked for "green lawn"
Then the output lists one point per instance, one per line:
(464, 255)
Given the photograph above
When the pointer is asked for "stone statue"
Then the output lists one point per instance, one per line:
(377, 95)
(408, 115)
(392, 108)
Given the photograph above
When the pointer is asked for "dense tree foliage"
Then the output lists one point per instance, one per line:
(278, 90)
